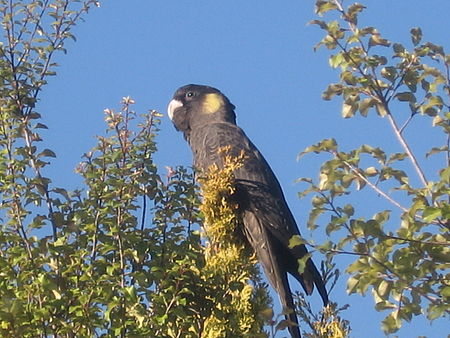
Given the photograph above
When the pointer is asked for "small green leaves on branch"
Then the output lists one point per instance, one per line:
(400, 260)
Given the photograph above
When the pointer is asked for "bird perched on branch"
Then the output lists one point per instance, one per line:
(208, 121)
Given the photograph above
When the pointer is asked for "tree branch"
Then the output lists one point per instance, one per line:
(406, 147)
(370, 184)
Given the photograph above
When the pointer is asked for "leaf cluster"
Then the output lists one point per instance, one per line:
(121, 257)
(124, 255)
(401, 255)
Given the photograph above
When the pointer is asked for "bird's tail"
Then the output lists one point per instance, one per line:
(318, 281)
(287, 302)
(309, 278)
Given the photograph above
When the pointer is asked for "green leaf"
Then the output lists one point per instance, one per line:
(295, 241)
(349, 210)
(384, 288)
(438, 121)
(406, 96)
(313, 215)
(416, 35)
(348, 110)
(336, 60)
(425, 85)
(266, 314)
(56, 294)
(332, 90)
(322, 24)
(433, 105)
(40, 126)
(335, 224)
(283, 324)
(375, 61)
(371, 171)
(391, 323)
(365, 105)
(436, 311)
(381, 109)
(131, 293)
(353, 11)
(389, 73)
(62, 192)
(324, 6)
(326, 145)
(377, 40)
(60, 241)
(445, 291)
(352, 284)
(325, 247)
(396, 157)
(411, 79)
(47, 153)
(349, 78)
(431, 213)
(398, 48)
(437, 150)
(445, 175)
(302, 262)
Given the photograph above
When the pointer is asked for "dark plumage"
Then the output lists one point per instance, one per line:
(207, 119)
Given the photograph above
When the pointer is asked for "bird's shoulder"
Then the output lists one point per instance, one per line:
(207, 141)
(219, 129)
(212, 136)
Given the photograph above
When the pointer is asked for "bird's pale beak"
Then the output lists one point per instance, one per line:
(174, 104)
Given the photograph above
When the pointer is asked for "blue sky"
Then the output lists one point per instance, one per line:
(260, 54)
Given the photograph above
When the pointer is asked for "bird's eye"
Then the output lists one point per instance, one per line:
(190, 94)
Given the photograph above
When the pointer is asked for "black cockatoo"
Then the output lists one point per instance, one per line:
(208, 121)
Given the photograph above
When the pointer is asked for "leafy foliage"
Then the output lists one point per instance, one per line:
(327, 324)
(100, 261)
(124, 256)
(402, 256)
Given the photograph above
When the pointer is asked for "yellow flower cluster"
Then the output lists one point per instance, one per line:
(331, 325)
(228, 259)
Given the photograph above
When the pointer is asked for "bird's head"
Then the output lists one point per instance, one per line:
(196, 105)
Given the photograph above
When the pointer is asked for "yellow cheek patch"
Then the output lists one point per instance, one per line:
(212, 103)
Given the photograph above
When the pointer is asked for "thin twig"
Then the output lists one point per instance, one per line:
(120, 245)
(96, 232)
(416, 241)
(406, 123)
(406, 147)
(373, 186)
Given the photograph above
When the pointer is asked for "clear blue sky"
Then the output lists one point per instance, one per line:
(260, 54)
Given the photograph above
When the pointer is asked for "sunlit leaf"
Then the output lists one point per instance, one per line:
(376, 39)
(431, 213)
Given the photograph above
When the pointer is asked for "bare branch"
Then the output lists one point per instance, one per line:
(406, 147)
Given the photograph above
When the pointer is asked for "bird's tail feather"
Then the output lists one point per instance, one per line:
(318, 281)
(287, 302)
(267, 252)
(309, 278)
